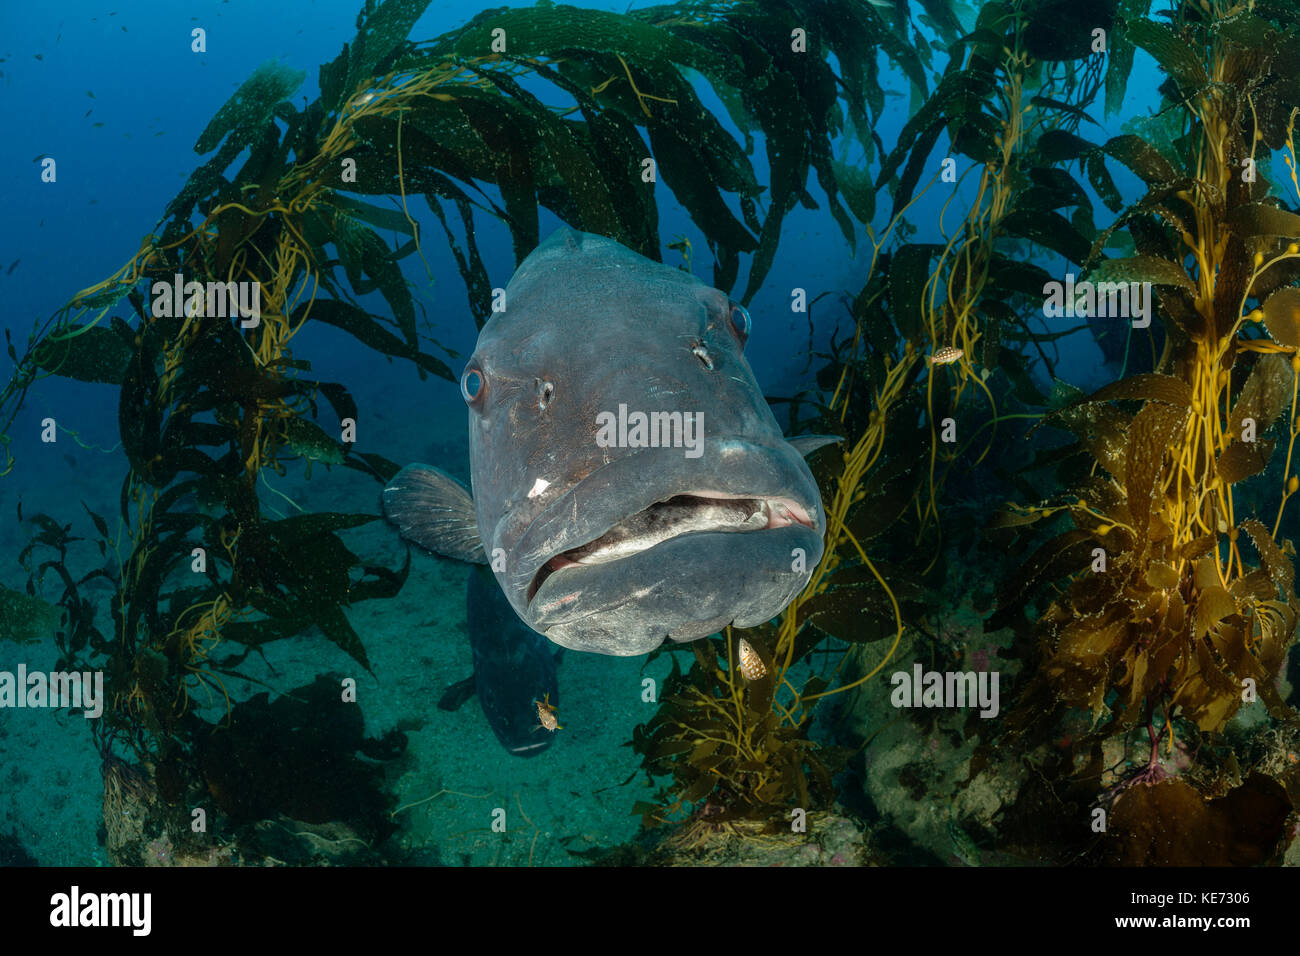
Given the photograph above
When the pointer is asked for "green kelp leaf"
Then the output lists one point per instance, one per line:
(1282, 316)
(24, 619)
(138, 415)
(618, 150)
(1050, 230)
(879, 509)
(1281, 570)
(1061, 556)
(1142, 158)
(204, 181)
(468, 261)
(364, 253)
(1066, 191)
(379, 466)
(381, 32)
(380, 582)
(308, 570)
(252, 104)
(477, 135)
(1151, 269)
(571, 152)
(1262, 219)
(898, 48)
(335, 626)
(975, 135)
(1172, 52)
(257, 633)
(914, 169)
(1016, 366)
(1014, 275)
(956, 93)
(1119, 65)
(1059, 145)
(678, 167)
(909, 270)
(1102, 181)
(945, 20)
(367, 330)
(86, 353)
(853, 615)
(1266, 392)
(859, 191)
(299, 530)
(558, 31)
(380, 217)
(1062, 29)
(1046, 102)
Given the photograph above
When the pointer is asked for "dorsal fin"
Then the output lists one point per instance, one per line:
(805, 445)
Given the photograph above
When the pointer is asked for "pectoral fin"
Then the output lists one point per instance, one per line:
(457, 694)
(434, 510)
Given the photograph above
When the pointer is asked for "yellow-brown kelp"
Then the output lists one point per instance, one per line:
(1178, 603)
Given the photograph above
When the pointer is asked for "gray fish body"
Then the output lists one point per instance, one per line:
(514, 667)
(614, 547)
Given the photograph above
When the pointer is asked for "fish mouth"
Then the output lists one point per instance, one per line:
(696, 512)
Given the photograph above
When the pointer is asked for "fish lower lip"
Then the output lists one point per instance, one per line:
(698, 513)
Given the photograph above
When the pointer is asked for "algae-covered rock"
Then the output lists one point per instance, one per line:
(24, 618)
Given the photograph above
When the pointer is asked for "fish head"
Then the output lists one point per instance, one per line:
(630, 482)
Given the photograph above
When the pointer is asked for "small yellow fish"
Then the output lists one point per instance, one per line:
(546, 714)
(946, 355)
(751, 665)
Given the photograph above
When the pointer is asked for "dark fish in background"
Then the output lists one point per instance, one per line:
(514, 667)
(12, 267)
(615, 547)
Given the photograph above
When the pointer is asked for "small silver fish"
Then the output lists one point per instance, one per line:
(751, 665)
(946, 355)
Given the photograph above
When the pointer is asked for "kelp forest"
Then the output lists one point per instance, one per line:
(1119, 560)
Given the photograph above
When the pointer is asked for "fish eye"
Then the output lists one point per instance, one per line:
(472, 385)
(740, 321)
(545, 391)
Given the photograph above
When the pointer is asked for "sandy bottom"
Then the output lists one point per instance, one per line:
(454, 774)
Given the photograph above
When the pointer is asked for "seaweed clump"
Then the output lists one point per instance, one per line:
(737, 750)
(1176, 604)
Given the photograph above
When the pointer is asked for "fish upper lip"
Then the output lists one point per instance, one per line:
(763, 470)
(779, 511)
